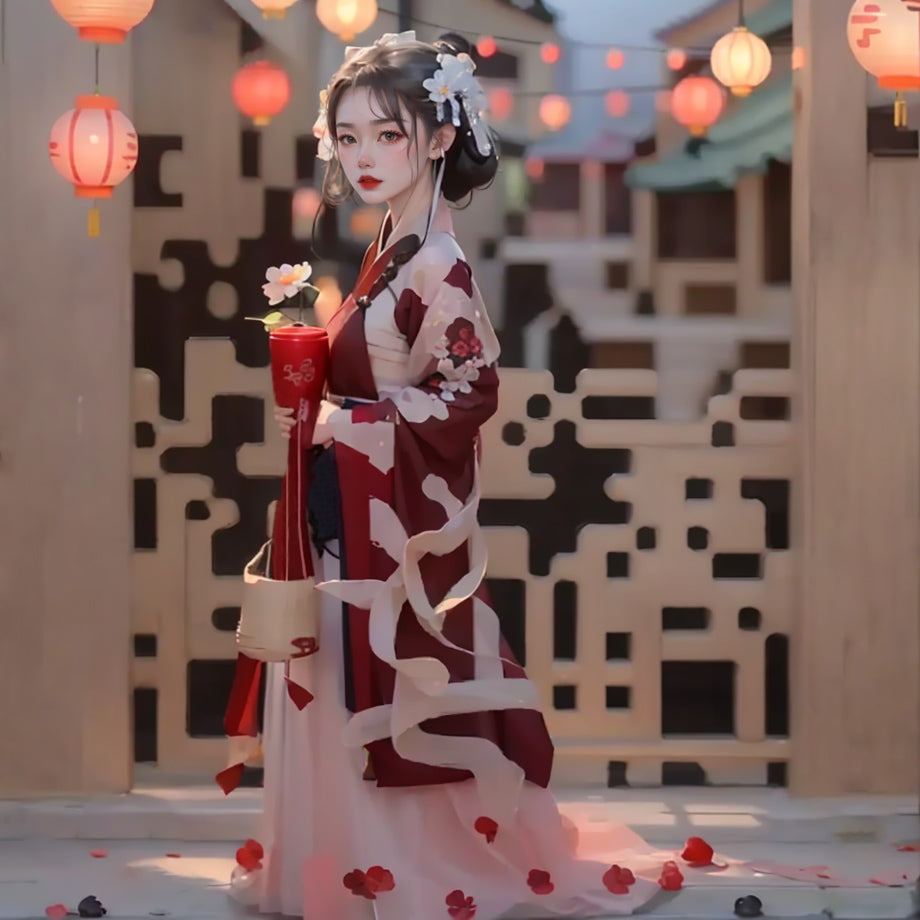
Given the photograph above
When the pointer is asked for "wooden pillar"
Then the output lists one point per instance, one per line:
(65, 435)
(750, 244)
(856, 231)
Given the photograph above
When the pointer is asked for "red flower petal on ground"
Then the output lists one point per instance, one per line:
(697, 852)
(255, 848)
(99, 854)
(356, 882)
(247, 859)
(173, 855)
(379, 879)
(617, 880)
(671, 878)
(909, 848)
(539, 882)
(459, 906)
(55, 911)
(487, 827)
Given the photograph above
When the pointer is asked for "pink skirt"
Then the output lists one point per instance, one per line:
(323, 827)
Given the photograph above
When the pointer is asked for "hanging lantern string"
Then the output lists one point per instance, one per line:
(741, 13)
(96, 82)
(779, 44)
(598, 92)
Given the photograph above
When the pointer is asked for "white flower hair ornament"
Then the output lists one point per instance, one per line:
(454, 86)
(325, 148)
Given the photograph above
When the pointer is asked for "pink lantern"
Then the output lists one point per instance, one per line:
(884, 36)
(94, 147)
(501, 103)
(261, 90)
(617, 102)
(696, 103)
(677, 59)
(486, 46)
(550, 53)
(274, 9)
(105, 21)
(615, 59)
(555, 111)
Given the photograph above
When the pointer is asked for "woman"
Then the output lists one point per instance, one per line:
(414, 784)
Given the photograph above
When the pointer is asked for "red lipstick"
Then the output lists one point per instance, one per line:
(369, 182)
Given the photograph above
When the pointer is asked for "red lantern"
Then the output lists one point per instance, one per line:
(617, 103)
(501, 103)
(106, 21)
(555, 111)
(550, 53)
(534, 168)
(615, 59)
(884, 36)
(677, 59)
(696, 103)
(261, 90)
(94, 147)
(486, 46)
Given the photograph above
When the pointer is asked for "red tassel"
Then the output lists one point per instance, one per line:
(230, 778)
(299, 695)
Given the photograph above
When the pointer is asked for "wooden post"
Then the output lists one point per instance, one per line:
(856, 236)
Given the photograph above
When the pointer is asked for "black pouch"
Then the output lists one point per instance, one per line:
(324, 502)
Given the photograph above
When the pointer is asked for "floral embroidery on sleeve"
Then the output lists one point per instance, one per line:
(459, 354)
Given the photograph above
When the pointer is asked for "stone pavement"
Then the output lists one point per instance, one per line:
(170, 849)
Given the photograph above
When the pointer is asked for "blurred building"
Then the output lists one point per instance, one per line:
(715, 240)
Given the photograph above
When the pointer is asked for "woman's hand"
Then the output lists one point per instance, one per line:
(286, 421)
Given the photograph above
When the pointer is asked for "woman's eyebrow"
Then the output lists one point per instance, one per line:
(376, 121)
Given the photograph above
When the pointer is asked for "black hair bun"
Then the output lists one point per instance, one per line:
(453, 43)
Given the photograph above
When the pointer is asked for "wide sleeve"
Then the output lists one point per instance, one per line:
(453, 350)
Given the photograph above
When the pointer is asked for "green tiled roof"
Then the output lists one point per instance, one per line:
(760, 129)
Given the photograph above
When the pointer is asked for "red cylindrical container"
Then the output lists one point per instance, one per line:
(300, 355)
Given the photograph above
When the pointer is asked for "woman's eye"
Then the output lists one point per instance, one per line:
(391, 136)
(346, 139)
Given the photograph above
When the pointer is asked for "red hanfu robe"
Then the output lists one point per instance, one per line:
(437, 693)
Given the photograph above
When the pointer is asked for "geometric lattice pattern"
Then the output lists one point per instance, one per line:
(655, 572)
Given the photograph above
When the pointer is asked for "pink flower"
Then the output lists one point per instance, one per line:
(460, 350)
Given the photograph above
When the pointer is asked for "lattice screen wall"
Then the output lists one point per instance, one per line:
(642, 572)
(641, 568)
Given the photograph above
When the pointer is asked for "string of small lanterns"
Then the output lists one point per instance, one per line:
(94, 145)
